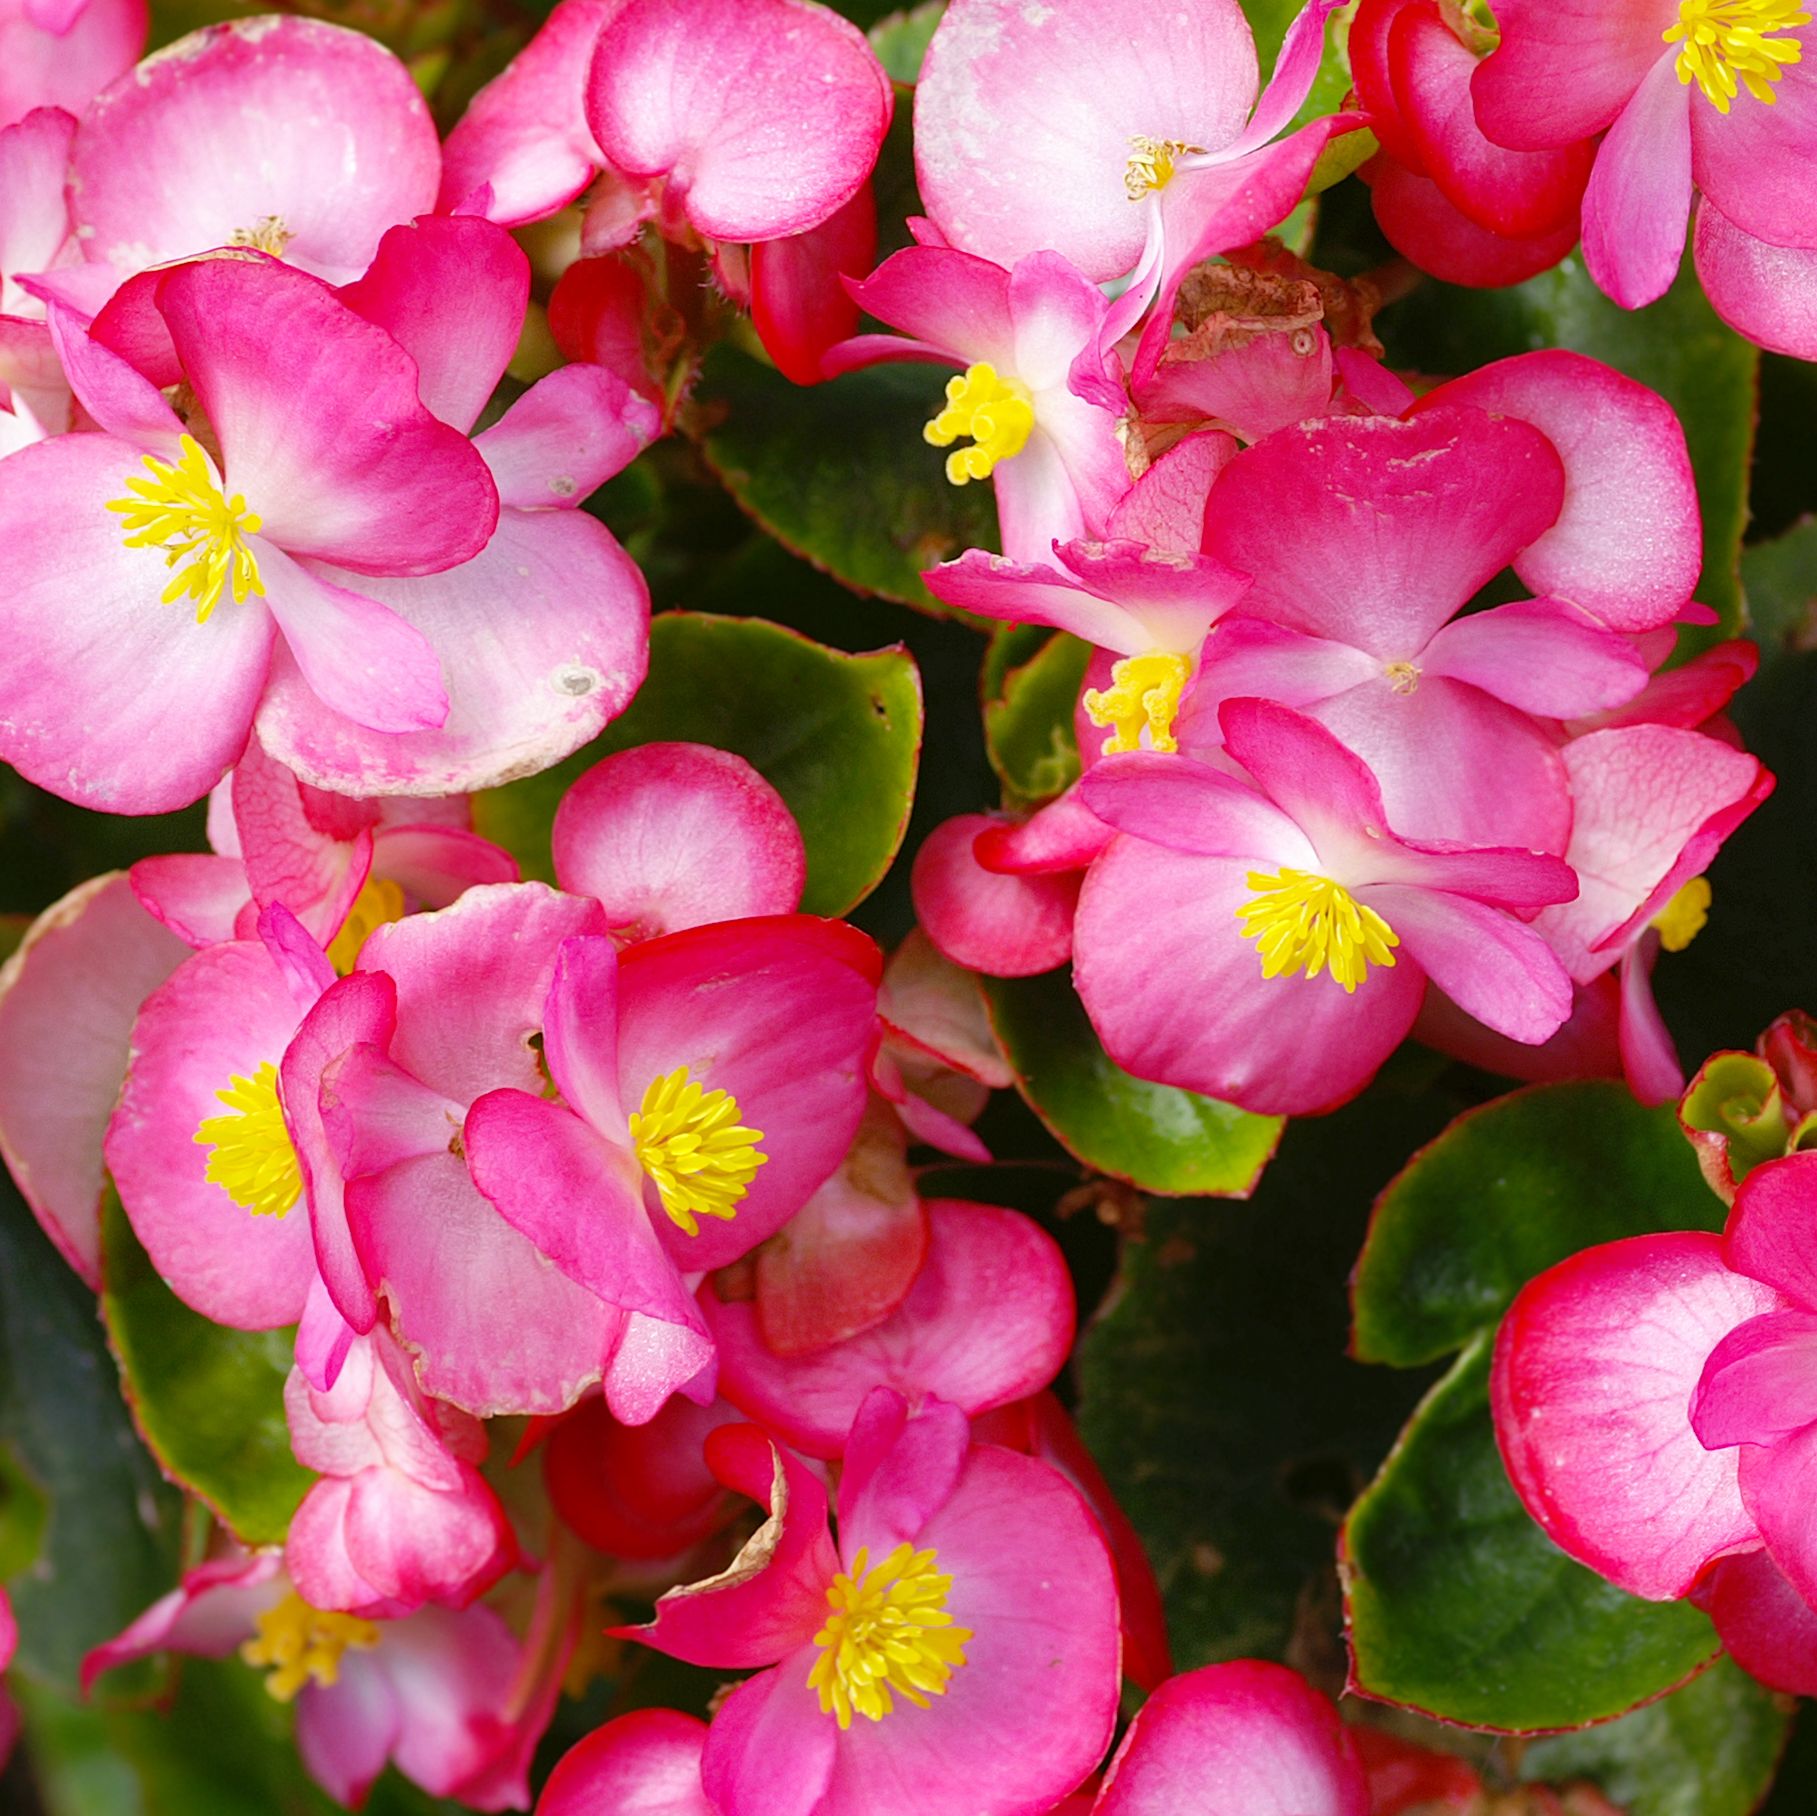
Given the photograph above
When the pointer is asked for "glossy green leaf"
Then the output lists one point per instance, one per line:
(1028, 727)
(840, 473)
(107, 1529)
(1156, 1137)
(837, 736)
(901, 40)
(1461, 1607)
(1780, 581)
(1706, 1750)
(1504, 1193)
(208, 1400)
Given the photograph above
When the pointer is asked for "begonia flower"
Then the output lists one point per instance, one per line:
(646, 1763)
(60, 53)
(959, 1637)
(1348, 919)
(431, 1694)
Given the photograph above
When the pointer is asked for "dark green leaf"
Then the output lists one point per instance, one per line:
(208, 1400)
(901, 40)
(837, 736)
(1780, 581)
(1029, 726)
(1156, 1137)
(1460, 1605)
(1507, 1191)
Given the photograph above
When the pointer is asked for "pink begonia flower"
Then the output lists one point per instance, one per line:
(431, 1694)
(398, 1516)
(60, 53)
(988, 1320)
(1009, 1693)
(1366, 538)
(1693, 96)
(326, 455)
(669, 836)
(1765, 1625)
(69, 995)
(1125, 139)
(542, 637)
(646, 1763)
(34, 233)
(298, 137)
(1767, 293)
(1053, 457)
(1299, 859)
(714, 1074)
(1246, 1736)
(799, 303)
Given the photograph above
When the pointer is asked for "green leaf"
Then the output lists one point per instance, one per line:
(837, 736)
(901, 40)
(1028, 726)
(1461, 1607)
(1709, 1749)
(1156, 1137)
(109, 1529)
(1677, 346)
(1504, 1193)
(1780, 581)
(208, 1400)
(840, 473)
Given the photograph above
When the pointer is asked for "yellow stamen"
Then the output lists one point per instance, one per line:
(1144, 691)
(1403, 677)
(1683, 917)
(1152, 163)
(267, 234)
(380, 900)
(996, 413)
(1301, 922)
(182, 510)
(690, 1143)
(301, 1643)
(253, 1161)
(889, 1634)
(1725, 43)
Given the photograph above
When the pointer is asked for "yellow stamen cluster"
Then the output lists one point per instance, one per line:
(182, 510)
(889, 1634)
(1683, 917)
(689, 1141)
(1152, 163)
(253, 1161)
(996, 413)
(1302, 922)
(1144, 692)
(1724, 44)
(301, 1643)
(380, 900)
(267, 234)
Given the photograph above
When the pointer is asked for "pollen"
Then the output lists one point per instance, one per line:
(379, 901)
(303, 1645)
(1724, 44)
(691, 1143)
(1683, 917)
(1152, 163)
(253, 1161)
(1144, 692)
(267, 234)
(1302, 922)
(996, 413)
(181, 509)
(888, 1635)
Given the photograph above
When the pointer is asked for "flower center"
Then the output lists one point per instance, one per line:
(690, 1142)
(302, 1643)
(380, 900)
(267, 234)
(253, 1161)
(1683, 917)
(995, 412)
(1152, 162)
(1144, 691)
(889, 1633)
(182, 510)
(1724, 43)
(1302, 922)
(1403, 677)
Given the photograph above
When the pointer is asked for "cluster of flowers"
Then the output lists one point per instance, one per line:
(626, 1157)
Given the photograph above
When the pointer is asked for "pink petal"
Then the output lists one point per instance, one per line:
(928, 1000)
(646, 1763)
(1186, 805)
(765, 115)
(1165, 508)
(1421, 225)
(1541, 655)
(580, 1029)
(435, 864)
(68, 997)
(898, 1471)
(1777, 1482)
(1763, 291)
(952, 301)
(1326, 789)
(207, 1615)
(34, 217)
(669, 836)
(566, 436)
(109, 379)
(1004, 926)
(41, 66)
(799, 306)
(1759, 1386)
(1594, 1372)
(1770, 1233)
(1062, 835)
(1766, 1625)
(288, 858)
(770, 1751)
(1255, 387)
(1023, 592)
(315, 125)
(1246, 1736)
(1256, 658)
(1754, 164)
(1639, 199)
(1649, 1060)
